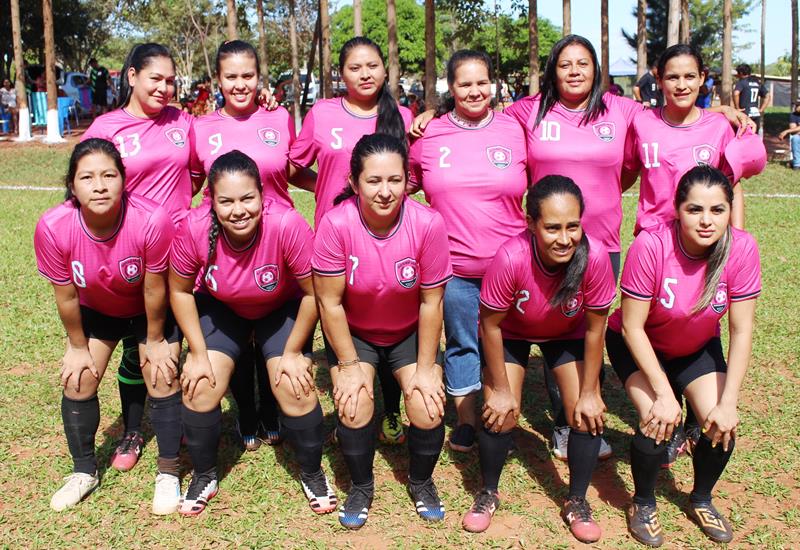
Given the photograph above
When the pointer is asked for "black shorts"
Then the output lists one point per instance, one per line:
(100, 97)
(105, 327)
(228, 333)
(680, 371)
(554, 352)
(393, 357)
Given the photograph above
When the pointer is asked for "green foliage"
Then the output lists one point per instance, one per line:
(782, 66)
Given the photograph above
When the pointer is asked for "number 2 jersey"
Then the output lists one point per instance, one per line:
(383, 274)
(252, 280)
(107, 272)
(658, 270)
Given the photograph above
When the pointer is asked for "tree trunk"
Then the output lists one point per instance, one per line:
(566, 18)
(394, 54)
(357, 18)
(295, 66)
(604, 43)
(325, 26)
(53, 135)
(498, 83)
(262, 44)
(24, 126)
(726, 94)
(641, 39)
(794, 86)
(685, 32)
(763, 33)
(673, 21)
(533, 47)
(233, 24)
(430, 55)
(203, 32)
(310, 65)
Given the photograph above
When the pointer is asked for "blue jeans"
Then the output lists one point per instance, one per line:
(794, 141)
(462, 363)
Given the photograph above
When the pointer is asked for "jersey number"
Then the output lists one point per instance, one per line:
(77, 274)
(135, 145)
(445, 152)
(209, 278)
(668, 303)
(551, 131)
(523, 296)
(754, 96)
(654, 147)
(215, 141)
(354, 260)
(337, 139)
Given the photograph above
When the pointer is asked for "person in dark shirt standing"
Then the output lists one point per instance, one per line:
(99, 81)
(646, 89)
(750, 95)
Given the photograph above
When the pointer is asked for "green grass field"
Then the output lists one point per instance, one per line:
(261, 504)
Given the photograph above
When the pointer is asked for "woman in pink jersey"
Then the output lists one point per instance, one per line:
(105, 252)
(380, 263)
(330, 131)
(152, 139)
(255, 260)
(471, 165)
(679, 280)
(550, 285)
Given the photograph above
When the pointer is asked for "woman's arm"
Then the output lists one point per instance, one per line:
(304, 178)
(156, 349)
(590, 402)
(500, 401)
(77, 357)
(293, 364)
(425, 380)
(737, 211)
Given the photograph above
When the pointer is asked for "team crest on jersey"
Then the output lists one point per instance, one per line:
(406, 272)
(270, 136)
(720, 300)
(573, 306)
(702, 153)
(604, 130)
(131, 269)
(177, 136)
(499, 156)
(267, 277)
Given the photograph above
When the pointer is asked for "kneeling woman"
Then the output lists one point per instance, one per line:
(255, 261)
(381, 262)
(106, 253)
(679, 280)
(550, 285)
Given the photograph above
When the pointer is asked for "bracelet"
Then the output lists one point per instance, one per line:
(349, 363)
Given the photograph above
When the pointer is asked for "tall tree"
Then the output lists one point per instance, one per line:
(262, 43)
(794, 86)
(24, 126)
(673, 21)
(295, 65)
(394, 54)
(233, 20)
(641, 39)
(430, 55)
(566, 17)
(604, 62)
(357, 31)
(325, 27)
(202, 32)
(726, 94)
(763, 32)
(684, 31)
(533, 46)
(53, 135)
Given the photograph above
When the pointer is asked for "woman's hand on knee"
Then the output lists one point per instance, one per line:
(196, 367)
(297, 369)
(721, 423)
(349, 382)
(75, 361)
(590, 409)
(662, 418)
(430, 387)
(158, 354)
(500, 411)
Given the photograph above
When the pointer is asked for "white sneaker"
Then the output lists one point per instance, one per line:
(605, 449)
(167, 495)
(76, 488)
(560, 443)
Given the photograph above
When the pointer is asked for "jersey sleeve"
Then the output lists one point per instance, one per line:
(745, 281)
(195, 165)
(297, 243)
(630, 160)
(520, 110)
(328, 258)
(599, 286)
(498, 286)
(304, 150)
(184, 257)
(762, 91)
(291, 128)
(415, 163)
(49, 257)
(639, 274)
(435, 266)
(96, 130)
(158, 239)
(628, 107)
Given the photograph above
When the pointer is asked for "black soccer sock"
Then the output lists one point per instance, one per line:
(709, 463)
(582, 452)
(390, 390)
(691, 419)
(202, 431)
(132, 389)
(81, 419)
(358, 448)
(646, 460)
(243, 390)
(165, 417)
(555, 398)
(307, 436)
(424, 447)
(267, 404)
(493, 450)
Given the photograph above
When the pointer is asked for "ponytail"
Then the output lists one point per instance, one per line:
(213, 233)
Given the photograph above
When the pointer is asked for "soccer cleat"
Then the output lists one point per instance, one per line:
(127, 453)
(271, 435)
(462, 438)
(479, 516)
(77, 487)
(426, 499)
(713, 524)
(167, 496)
(560, 442)
(319, 493)
(201, 490)
(249, 442)
(392, 430)
(355, 510)
(692, 437)
(677, 446)
(578, 515)
(643, 524)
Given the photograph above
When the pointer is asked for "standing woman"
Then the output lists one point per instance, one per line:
(550, 285)
(255, 261)
(330, 131)
(471, 164)
(105, 252)
(152, 139)
(377, 252)
(679, 280)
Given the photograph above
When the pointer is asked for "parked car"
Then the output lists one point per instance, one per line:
(313, 87)
(75, 83)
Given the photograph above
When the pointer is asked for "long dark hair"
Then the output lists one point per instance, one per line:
(233, 162)
(90, 147)
(389, 119)
(368, 145)
(573, 276)
(675, 51)
(447, 103)
(709, 176)
(233, 47)
(139, 57)
(549, 95)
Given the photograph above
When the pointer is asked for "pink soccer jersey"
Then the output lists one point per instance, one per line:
(475, 178)
(590, 154)
(517, 282)
(329, 133)
(658, 270)
(108, 272)
(665, 153)
(383, 275)
(264, 136)
(155, 153)
(257, 279)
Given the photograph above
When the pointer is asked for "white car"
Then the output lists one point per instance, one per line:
(313, 87)
(73, 85)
